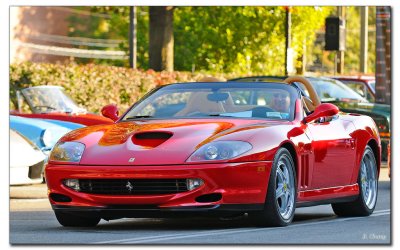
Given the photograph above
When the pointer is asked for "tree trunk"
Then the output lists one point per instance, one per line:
(161, 38)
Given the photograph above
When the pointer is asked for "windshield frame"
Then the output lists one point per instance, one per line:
(293, 92)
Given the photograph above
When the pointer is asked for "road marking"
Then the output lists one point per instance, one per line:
(149, 239)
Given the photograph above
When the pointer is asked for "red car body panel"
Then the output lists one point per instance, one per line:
(327, 159)
(84, 119)
(245, 184)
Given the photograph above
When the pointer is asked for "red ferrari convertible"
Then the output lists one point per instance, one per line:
(217, 148)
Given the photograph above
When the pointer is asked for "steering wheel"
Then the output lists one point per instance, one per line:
(311, 102)
(261, 111)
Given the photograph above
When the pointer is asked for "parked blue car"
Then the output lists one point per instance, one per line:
(44, 133)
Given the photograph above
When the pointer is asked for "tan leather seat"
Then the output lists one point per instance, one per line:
(198, 102)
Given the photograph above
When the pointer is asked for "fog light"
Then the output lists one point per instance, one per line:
(72, 183)
(193, 183)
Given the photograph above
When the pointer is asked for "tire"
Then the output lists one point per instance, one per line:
(72, 220)
(367, 181)
(277, 212)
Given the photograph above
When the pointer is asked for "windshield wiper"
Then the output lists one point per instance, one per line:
(138, 116)
(222, 115)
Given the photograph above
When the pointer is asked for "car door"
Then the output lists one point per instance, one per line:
(333, 151)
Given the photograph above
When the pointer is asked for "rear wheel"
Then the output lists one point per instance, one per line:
(72, 220)
(365, 203)
(280, 202)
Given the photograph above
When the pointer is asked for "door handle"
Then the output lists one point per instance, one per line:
(350, 143)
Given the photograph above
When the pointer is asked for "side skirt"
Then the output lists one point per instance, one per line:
(327, 195)
(324, 202)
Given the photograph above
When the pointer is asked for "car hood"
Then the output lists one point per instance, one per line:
(158, 142)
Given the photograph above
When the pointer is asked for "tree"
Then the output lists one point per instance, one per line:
(161, 38)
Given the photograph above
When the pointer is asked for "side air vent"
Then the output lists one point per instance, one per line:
(304, 179)
(150, 139)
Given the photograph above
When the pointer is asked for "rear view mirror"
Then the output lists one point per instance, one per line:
(217, 97)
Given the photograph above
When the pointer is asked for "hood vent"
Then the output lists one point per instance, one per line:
(150, 139)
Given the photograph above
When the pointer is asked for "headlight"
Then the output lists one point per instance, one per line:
(67, 151)
(220, 150)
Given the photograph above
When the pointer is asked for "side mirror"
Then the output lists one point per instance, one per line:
(110, 111)
(322, 110)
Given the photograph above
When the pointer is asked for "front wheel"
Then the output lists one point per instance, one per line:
(71, 220)
(365, 203)
(280, 202)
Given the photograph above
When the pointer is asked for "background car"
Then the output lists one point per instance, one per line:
(213, 156)
(43, 133)
(51, 102)
(26, 160)
(335, 92)
(363, 85)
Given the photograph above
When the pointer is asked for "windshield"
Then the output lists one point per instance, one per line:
(46, 99)
(333, 90)
(372, 84)
(222, 99)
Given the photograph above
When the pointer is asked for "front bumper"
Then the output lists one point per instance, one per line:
(242, 186)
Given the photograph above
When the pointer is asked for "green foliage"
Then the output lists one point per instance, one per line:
(352, 53)
(241, 39)
(94, 86)
(246, 39)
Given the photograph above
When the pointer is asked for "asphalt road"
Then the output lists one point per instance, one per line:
(33, 222)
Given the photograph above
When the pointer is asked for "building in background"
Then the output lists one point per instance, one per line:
(41, 34)
(35, 28)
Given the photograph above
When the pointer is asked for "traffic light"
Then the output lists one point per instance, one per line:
(335, 36)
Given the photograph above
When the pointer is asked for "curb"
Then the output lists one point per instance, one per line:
(36, 191)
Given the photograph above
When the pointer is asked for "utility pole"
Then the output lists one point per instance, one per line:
(364, 39)
(132, 37)
(288, 51)
(340, 53)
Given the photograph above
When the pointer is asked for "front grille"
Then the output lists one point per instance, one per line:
(132, 186)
